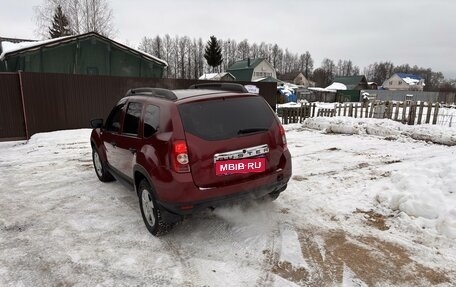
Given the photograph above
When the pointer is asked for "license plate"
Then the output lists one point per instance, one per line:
(247, 165)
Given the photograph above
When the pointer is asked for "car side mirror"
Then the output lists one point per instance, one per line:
(96, 123)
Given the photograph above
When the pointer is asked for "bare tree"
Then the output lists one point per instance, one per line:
(324, 75)
(83, 15)
(146, 45)
(264, 51)
(233, 47)
(346, 68)
(254, 51)
(279, 60)
(157, 47)
(175, 58)
(191, 67)
(168, 51)
(183, 51)
(306, 64)
(201, 62)
(243, 50)
(225, 52)
(275, 56)
(290, 62)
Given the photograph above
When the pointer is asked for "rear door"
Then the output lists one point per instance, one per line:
(130, 140)
(230, 130)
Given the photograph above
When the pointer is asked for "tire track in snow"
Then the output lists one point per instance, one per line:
(284, 259)
(189, 272)
(271, 259)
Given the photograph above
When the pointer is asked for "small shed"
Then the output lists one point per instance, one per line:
(358, 82)
(86, 54)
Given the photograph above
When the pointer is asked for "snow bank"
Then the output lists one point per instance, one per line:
(383, 127)
(422, 187)
(426, 193)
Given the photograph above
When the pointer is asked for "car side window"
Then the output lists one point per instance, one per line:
(151, 120)
(132, 116)
(113, 121)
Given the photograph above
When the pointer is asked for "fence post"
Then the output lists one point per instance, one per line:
(404, 110)
(436, 113)
(388, 110)
(412, 114)
(420, 113)
(371, 112)
(23, 105)
(428, 114)
(396, 111)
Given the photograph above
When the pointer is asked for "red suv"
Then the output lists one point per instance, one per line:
(185, 150)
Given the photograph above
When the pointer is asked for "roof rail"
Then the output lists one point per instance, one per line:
(232, 87)
(154, 92)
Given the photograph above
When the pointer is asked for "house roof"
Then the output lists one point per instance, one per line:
(208, 76)
(336, 86)
(268, 79)
(11, 48)
(410, 79)
(289, 76)
(215, 76)
(243, 64)
(241, 69)
(351, 81)
(411, 76)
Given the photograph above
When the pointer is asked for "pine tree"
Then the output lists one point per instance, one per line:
(60, 25)
(213, 53)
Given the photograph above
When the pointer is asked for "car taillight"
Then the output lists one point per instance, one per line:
(284, 138)
(179, 157)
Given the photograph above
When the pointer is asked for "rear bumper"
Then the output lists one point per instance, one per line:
(181, 209)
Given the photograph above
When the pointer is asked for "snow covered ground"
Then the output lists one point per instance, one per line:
(370, 203)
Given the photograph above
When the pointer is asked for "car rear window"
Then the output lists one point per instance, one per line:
(226, 118)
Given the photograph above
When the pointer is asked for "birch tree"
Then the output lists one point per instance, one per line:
(83, 16)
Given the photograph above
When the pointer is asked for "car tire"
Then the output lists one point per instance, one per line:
(150, 210)
(100, 167)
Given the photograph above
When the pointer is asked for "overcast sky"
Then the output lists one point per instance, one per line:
(417, 32)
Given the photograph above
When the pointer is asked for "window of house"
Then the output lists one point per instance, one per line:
(391, 82)
(132, 116)
(151, 120)
(400, 82)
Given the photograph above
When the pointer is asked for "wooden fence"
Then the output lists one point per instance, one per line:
(40, 102)
(407, 112)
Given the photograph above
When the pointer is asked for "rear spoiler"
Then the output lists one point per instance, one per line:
(231, 87)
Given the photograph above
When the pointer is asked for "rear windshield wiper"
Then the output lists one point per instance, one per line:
(251, 130)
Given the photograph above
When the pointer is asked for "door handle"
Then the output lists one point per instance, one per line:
(132, 150)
